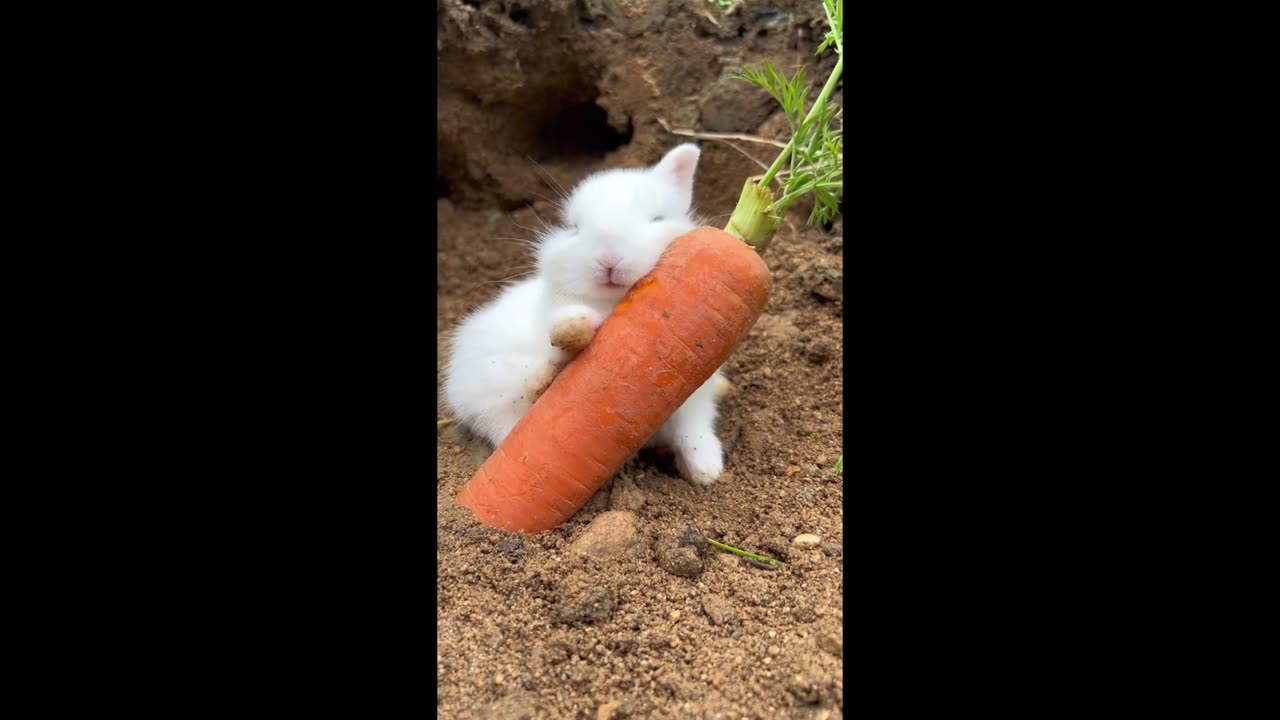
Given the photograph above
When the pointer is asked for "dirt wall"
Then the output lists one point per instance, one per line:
(580, 85)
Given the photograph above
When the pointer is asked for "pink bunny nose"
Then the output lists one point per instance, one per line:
(609, 261)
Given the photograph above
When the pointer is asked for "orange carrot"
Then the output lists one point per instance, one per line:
(676, 326)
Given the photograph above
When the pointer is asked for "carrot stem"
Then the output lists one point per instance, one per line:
(758, 215)
(754, 220)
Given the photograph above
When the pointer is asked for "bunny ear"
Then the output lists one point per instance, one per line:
(677, 167)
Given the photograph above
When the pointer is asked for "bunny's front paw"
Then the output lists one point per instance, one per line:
(573, 327)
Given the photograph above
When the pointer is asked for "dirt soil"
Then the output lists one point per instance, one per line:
(641, 619)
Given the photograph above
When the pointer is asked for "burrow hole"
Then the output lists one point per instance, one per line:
(580, 130)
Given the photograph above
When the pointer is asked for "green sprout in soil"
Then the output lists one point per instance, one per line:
(840, 465)
(722, 3)
(812, 161)
(744, 553)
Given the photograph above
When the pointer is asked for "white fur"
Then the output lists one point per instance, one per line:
(502, 353)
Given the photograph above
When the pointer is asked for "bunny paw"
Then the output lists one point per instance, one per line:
(574, 327)
(702, 466)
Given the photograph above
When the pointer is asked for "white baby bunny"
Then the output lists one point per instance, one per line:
(616, 224)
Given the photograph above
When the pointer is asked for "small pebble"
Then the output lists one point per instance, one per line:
(832, 643)
(773, 633)
(675, 615)
(610, 534)
(719, 610)
(494, 539)
(774, 649)
(806, 541)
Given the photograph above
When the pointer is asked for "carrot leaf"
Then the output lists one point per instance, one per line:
(812, 163)
(835, 19)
